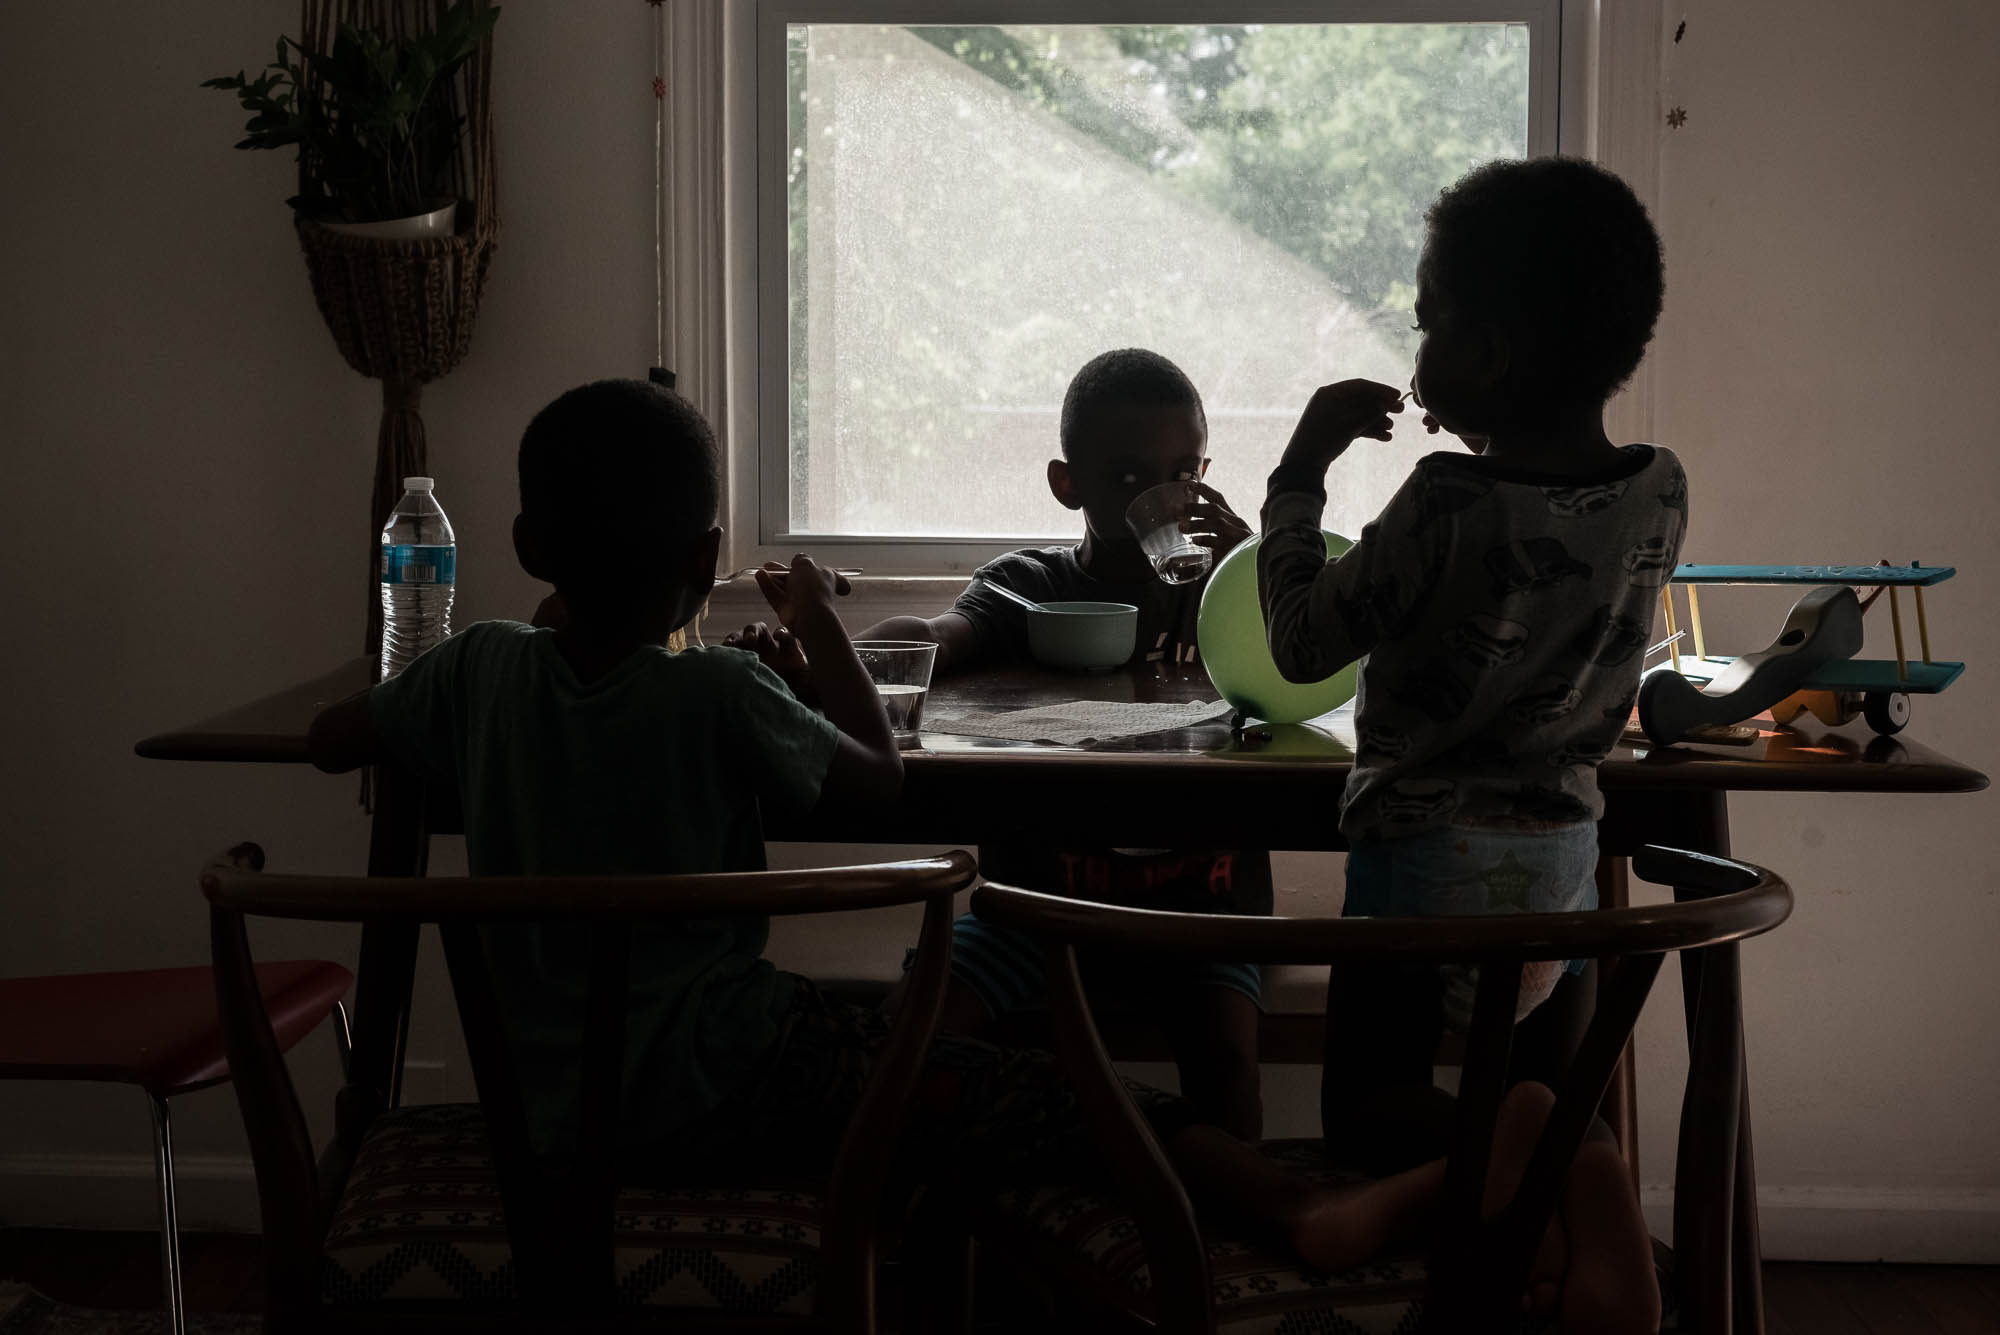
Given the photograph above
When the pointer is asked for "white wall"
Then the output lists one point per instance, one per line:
(1830, 329)
(191, 462)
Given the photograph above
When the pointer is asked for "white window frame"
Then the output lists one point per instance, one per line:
(1593, 77)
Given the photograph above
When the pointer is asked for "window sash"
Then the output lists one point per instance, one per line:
(758, 469)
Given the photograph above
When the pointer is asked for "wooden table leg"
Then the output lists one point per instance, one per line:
(1707, 829)
(1621, 1099)
(1747, 1242)
(398, 845)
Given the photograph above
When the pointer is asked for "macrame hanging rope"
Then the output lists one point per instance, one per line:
(402, 311)
(660, 374)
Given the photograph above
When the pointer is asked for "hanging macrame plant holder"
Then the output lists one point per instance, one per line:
(401, 311)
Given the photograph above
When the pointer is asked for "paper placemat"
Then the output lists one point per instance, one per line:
(1075, 722)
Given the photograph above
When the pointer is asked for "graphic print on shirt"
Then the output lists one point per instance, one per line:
(1650, 561)
(1675, 497)
(1446, 491)
(1487, 641)
(1547, 699)
(1610, 639)
(1418, 801)
(1579, 502)
(1434, 690)
(1582, 751)
(1380, 746)
(1530, 564)
(1523, 609)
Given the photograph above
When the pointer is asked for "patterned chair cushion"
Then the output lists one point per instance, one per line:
(1256, 1291)
(421, 1220)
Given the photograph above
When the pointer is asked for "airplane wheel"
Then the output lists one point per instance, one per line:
(1887, 712)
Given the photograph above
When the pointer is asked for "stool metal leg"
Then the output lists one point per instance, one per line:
(170, 1237)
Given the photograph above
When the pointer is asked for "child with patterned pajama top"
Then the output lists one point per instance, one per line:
(1501, 603)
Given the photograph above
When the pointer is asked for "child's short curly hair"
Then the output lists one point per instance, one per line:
(1121, 376)
(1560, 254)
(616, 445)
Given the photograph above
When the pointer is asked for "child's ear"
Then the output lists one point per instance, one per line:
(530, 551)
(1062, 485)
(707, 551)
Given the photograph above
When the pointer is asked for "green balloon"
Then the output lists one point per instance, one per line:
(1230, 631)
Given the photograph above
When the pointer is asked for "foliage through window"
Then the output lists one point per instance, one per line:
(973, 212)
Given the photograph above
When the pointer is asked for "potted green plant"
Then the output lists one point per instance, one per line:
(376, 127)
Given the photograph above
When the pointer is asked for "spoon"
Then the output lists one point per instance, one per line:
(1012, 596)
(751, 570)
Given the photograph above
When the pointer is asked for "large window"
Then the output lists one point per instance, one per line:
(954, 216)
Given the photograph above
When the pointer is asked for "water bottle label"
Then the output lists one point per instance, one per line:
(402, 564)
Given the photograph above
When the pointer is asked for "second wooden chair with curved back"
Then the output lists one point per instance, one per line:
(1139, 1256)
(443, 1216)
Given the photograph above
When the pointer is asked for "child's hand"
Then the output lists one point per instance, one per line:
(1477, 444)
(1336, 416)
(780, 651)
(1212, 523)
(802, 591)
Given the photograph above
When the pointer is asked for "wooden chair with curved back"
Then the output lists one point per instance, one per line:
(446, 1215)
(1139, 1255)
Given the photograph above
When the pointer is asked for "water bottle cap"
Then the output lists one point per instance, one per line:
(419, 483)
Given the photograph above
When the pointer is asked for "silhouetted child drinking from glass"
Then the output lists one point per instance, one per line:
(1130, 420)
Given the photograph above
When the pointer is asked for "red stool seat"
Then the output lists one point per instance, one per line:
(156, 1028)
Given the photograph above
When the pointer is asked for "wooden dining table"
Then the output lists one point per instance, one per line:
(1236, 782)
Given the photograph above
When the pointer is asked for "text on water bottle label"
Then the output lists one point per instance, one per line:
(405, 564)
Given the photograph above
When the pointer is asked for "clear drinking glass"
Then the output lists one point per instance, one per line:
(1155, 520)
(901, 671)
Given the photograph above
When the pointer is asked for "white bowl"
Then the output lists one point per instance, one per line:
(439, 222)
(1091, 637)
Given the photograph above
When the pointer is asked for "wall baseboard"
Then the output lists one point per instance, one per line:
(1863, 1224)
(212, 1192)
(218, 1192)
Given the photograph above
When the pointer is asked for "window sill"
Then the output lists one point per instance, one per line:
(874, 597)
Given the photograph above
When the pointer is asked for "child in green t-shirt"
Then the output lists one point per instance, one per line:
(589, 748)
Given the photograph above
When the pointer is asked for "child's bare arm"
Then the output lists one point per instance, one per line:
(342, 736)
(1334, 417)
(957, 643)
(1321, 615)
(866, 768)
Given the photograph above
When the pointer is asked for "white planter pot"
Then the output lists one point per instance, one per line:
(439, 222)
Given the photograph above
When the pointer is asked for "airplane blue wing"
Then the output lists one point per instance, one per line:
(1902, 576)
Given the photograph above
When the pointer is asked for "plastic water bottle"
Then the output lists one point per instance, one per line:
(419, 571)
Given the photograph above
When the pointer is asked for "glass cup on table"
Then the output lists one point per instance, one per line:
(1155, 517)
(901, 671)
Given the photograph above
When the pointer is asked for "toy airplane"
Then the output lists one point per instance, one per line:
(1810, 666)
